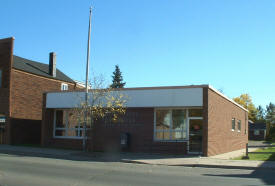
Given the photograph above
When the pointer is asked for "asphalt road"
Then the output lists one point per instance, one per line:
(30, 171)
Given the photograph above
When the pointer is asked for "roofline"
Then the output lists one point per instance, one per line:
(145, 88)
(224, 96)
(7, 39)
(38, 74)
(22, 71)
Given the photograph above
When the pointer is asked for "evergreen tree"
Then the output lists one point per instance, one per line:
(270, 114)
(117, 79)
(260, 114)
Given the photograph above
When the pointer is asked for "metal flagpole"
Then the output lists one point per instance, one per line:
(87, 82)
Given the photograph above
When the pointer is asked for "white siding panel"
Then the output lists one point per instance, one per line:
(136, 98)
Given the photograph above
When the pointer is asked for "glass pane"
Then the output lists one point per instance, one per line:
(233, 124)
(178, 135)
(72, 132)
(59, 132)
(72, 120)
(239, 125)
(195, 135)
(60, 119)
(195, 112)
(163, 118)
(179, 119)
(163, 135)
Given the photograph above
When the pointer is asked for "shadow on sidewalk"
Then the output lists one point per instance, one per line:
(112, 156)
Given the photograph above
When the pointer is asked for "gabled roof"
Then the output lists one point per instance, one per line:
(38, 68)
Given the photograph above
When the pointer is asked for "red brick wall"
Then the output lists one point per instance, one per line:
(21, 97)
(26, 105)
(27, 92)
(221, 138)
(106, 137)
(6, 51)
(47, 133)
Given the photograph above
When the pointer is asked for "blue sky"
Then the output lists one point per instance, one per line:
(229, 44)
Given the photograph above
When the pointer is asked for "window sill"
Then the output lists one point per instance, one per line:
(170, 140)
(65, 137)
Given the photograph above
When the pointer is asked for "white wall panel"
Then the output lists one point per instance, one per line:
(180, 97)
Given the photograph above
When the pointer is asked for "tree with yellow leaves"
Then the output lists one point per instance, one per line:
(246, 101)
(102, 101)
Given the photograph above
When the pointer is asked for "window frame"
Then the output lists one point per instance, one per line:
(64, 85)
(239, 125)
(233, 119)
(171, 130)
(66, 129)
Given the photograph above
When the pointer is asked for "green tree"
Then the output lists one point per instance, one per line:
(260, 114)
(117, 79)
(270, 121)
(270, 114)
(246, 101)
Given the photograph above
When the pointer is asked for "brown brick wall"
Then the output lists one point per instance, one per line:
(26, 104)
(6, 51)
(220, 137)
(27, 92)
(47, 139)
(21, 97)
(106, 137)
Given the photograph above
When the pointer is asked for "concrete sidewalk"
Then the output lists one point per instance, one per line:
(142, 158)
(205, 162)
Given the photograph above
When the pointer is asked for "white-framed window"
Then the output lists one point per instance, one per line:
(239, 125)
(1, 78)
(67, 125)
(233, 122)
(256, 132)
(171, 123)
(64, 86)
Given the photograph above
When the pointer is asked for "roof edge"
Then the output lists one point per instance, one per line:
(227, 98)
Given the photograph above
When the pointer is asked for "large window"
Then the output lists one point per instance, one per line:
(67, 125)
(171, 124)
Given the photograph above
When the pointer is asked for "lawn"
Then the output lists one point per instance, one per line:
(262, 157)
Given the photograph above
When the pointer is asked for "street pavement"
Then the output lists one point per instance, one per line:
(25, 170)
(220, 161)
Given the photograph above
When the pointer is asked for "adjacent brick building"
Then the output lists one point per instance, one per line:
(178, 120)
(22, 84)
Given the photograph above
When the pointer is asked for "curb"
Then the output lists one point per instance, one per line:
(198, 165)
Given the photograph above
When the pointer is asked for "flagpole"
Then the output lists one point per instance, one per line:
(87, 82)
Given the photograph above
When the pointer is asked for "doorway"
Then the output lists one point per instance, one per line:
(195, 136)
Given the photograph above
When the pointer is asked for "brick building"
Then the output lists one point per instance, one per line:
(178, 120)
(22, 84)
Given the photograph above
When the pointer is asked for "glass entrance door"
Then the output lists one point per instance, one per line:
(195, 136)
